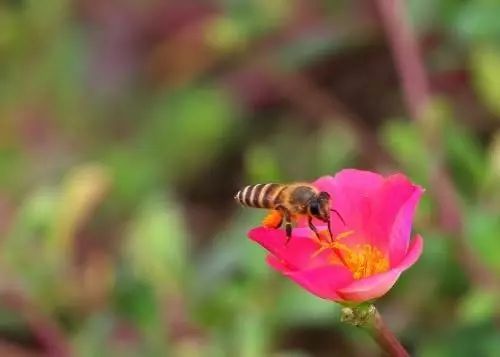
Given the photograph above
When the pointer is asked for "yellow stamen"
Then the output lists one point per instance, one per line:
(343, 235)
(363, 260)
(333, 244)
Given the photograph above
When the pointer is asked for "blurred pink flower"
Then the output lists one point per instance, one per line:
(367, 254)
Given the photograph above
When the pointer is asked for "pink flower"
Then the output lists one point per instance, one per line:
(367, 254)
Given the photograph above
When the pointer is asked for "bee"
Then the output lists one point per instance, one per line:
(290, 201)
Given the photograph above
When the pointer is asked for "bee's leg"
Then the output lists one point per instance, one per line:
(288, 227)
(330, 230)
(313, 227)
(287, 218)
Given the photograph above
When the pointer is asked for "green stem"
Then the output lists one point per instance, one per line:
(368, 317)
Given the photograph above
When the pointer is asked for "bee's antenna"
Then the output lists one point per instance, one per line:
(338, 214)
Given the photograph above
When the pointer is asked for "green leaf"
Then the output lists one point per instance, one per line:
(252, 334)
(83, 188)
(485, 65)
(262, 164)
(478, 306)
(12, 164)
(295, 306)
(482, 230)
(231, 253)
(465, 157)
(188, 128)
(92, 337)
(336, 147)
(405, 142)
(477, 21)
(134, 298)
(135, 173)
(491, 190)
(156, 245)
(28, 240)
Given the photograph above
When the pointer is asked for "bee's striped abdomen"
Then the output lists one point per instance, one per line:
(260, 195)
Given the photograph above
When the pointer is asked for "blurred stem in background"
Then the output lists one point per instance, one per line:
(406, 54)
(46, 331)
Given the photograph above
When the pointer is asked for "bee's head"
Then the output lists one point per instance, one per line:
(319, 207)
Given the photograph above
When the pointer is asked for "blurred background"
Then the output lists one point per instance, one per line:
(127, 126)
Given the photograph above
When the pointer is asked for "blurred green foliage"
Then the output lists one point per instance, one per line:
(126, 127)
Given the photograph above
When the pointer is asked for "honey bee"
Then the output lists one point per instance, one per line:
(290, 201)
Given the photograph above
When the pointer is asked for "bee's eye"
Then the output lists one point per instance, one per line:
(314, 208)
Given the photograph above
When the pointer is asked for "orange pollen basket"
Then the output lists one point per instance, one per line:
(272, 220)
(363, 260)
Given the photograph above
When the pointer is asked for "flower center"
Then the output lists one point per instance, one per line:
(363, 260)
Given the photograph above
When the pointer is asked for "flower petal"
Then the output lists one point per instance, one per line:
(371, 287)
(323, 281)
(277, 264)
(351, 190)
(365, 180)
(414, 252)
(378, 284)
(385, 206)
(298, 253)
(399, 238)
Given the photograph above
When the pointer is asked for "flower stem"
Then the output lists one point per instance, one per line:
(368, 317)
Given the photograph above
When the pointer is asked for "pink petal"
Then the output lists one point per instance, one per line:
(299, 253)
(370, 288)
(385, 206)
(323, 281)
(351, 190)
(377, 285)
(399, 238)
(367, 180)
(277, 264)
(413, 253)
